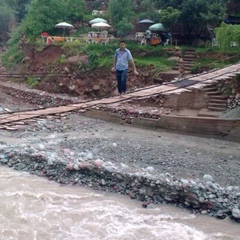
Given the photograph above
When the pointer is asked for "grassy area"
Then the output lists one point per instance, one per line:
(101, 56)
(12, 57)
(160, 63)
(214, 57)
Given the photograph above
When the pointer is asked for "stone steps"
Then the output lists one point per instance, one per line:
(188, 58)
(209, 113)
(213, 100)
(187, 68)
(217, 109)
(218, 97)
(213, 93)
(211, 88)
(217, 100)
(218, 104)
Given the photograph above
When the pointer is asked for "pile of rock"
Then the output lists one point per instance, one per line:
(200, 196)
(37, 97)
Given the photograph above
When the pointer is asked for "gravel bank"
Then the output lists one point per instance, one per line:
(201, 174)
(154, 167)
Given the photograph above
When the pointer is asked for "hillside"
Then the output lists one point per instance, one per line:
(85, 70)
(46, 70)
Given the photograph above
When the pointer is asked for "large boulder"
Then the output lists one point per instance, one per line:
(75, 60)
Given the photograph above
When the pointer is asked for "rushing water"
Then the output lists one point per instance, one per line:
(34, 208)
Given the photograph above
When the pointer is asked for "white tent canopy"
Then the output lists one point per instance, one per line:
(101, 25)
(147, 21)
(64, 25)
(97, 20)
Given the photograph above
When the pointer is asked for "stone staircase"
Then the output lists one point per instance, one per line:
(216, 99)
(188, 59)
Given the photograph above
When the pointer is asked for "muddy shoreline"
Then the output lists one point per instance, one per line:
(200, 174)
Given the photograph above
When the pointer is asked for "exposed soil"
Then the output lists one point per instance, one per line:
(56, 77)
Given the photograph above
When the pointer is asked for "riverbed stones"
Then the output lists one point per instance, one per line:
(236, 213)
(204, 196)
(208, 178)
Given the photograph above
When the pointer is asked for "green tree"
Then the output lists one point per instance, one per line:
(148, 10)
(76, 9)
(6, 18)
(20, 9)
(169, 17)
(226, 33)
(121, 14)
(233, 7)
(43, 15)
(124, 26)
(196, 15)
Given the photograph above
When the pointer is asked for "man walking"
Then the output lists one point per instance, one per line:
(122, 57)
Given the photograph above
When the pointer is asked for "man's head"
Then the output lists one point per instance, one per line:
(122, 44)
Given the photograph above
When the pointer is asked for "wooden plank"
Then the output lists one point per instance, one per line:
(202, 79)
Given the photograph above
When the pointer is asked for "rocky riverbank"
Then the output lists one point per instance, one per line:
(201, 174)
(153, 167)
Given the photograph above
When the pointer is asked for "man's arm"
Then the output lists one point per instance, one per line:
(114, 65)
(134, 67)
(114, 62)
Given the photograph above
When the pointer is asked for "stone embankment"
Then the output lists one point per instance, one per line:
(200, 196)
(36, 97)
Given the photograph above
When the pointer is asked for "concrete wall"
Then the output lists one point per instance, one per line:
(191, 100)
(207, 127)
(222, 128)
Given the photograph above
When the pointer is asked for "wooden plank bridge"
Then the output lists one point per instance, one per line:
(194, 82)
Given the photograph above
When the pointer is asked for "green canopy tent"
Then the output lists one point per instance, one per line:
(157, 27)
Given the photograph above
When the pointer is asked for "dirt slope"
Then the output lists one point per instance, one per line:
(58, 76)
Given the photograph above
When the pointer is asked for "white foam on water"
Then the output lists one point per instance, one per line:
(34, 208)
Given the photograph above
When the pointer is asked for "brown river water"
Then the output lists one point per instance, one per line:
(33, 208)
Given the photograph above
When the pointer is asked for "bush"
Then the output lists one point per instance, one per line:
(12, 57)
(33, 81)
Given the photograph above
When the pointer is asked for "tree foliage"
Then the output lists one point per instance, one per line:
(169, 16)
(196, 15)
(6, 18)
(149, 10)
(124, 26)
(20, 9)
(233, 7)
(75, 9)
(121, 14)
(43, 15)
(36, 16)
(226, 33)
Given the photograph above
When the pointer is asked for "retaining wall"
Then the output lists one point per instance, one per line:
(209, 127)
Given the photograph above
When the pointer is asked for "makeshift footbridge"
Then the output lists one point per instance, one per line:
(7, 120)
